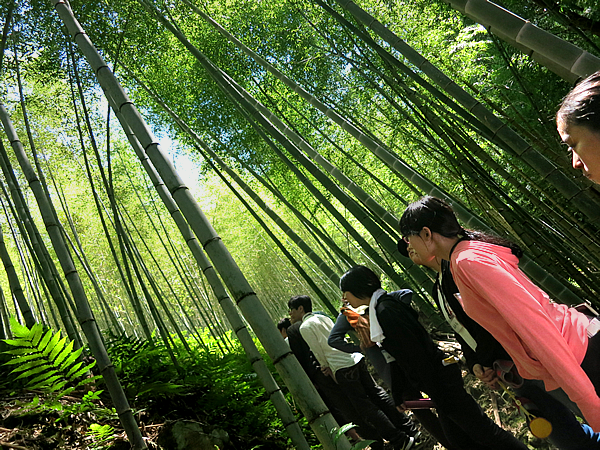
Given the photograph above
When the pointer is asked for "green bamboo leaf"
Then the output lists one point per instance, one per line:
(63, 354)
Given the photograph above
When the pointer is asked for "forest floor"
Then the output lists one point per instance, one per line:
(217, 393)
(66, 424)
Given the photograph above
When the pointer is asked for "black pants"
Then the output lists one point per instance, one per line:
(591, 362)
(377, 414)
(465, 424)
(337, 402)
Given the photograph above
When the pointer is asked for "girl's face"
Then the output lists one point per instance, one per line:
(349, 298)
(585, 145)
(420, 249)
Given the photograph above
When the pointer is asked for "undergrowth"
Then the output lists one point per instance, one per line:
(220, 391)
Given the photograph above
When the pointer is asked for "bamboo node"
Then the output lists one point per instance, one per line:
(285, 355)
(247, 294)
(216, 238)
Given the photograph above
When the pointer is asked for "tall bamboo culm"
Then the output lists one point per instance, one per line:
(299, 384)
(84, 312)
(15, 284)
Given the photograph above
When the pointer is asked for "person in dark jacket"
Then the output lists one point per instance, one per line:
(395, 326)
(357, 320)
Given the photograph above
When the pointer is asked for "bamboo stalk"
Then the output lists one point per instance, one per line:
(85, 316)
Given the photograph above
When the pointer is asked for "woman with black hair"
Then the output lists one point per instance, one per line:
(482, 353)
(395, 326)
(578, 123)
(546, 341)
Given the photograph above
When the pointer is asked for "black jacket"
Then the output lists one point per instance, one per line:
(418, 358)
(488, 348)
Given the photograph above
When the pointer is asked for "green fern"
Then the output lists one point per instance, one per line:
(101, 435)
(46, 360)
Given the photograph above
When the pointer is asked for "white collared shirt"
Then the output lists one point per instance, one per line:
(315, 330)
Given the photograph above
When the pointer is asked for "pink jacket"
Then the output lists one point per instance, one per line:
(547, 341)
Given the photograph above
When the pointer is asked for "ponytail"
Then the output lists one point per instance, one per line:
(472, 235)
(439, 217)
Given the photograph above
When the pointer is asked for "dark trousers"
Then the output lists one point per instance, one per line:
(591, 362)
(567, 432)
(464, 423)
(335, 399)
(377, 415)
(432, 424)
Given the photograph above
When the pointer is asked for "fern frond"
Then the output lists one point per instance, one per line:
(44, 381)
(32, 364)
(15, 342)
(60, 345)
(64, 354)
(90, 380)
(36, 334)
(53, 342)
(70, 360)
(83, 370)
(67, 391)
(20, 351)
(73, 369)
(22, 359)
(46, 360)
(58, 387)
(44, 342)
(18, 330)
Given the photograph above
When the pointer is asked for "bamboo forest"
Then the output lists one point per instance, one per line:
(174, 172)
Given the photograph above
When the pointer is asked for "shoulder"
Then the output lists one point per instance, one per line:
(473, 253)
(403, 295)
(389, 304)
(316, 321)
(294, 328)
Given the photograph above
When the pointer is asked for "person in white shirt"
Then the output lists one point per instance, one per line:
(376, 414)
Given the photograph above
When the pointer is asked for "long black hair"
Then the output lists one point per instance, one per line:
(438, 216)
(360, 281)
(581, 106)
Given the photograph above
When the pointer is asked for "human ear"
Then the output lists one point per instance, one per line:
(426, 233)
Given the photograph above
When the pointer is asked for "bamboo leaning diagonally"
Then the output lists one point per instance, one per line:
(238, 95)
(303, 390)
(84, 312)
(258, 364)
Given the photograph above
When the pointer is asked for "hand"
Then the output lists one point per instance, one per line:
(487, 375)
(327, 371)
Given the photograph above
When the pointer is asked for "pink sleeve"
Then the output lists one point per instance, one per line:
(491, 283)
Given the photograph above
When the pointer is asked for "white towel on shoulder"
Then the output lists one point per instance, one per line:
(376, 331)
